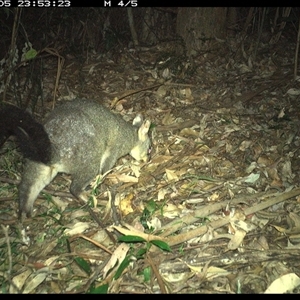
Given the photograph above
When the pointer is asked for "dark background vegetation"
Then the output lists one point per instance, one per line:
(74, 33)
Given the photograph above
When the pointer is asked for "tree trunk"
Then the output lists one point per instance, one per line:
(200, 26)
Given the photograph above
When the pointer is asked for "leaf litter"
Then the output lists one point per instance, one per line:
(223, 176)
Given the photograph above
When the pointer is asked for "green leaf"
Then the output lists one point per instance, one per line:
(151, 206)
(124, 264)
(162, 245)
(83, 264)
(147, 274)
(181, 249)
(141, 253)
(102, 289)
(131, 239)
(30, 54)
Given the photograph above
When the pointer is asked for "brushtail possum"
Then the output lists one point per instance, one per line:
(80, 137)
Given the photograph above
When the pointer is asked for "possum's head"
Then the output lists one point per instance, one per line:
(142, 149)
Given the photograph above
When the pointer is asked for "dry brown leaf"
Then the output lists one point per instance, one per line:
(276, 183)
(50, 260)
(158, 160)
(264, 161)
(273, 174)
(154, 223)
(162, 91)
(287, 170)
(211, 272)
(236, 239)
(280, 229)
(168, 119)
(132, 231)
(116, 178)
(214, 197)
(171, 211)
(171, 175)
(176, 277)
(136, 169)
(59, 202)
(284, 284)
(76, 228)
(125, 204)
(187, 93)
(161, 193)
(116, 258)
(189, 132)
(19, 281)
(296, 219)
(245, 145)
(35, 281)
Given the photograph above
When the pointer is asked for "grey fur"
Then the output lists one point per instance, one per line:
(86, 140)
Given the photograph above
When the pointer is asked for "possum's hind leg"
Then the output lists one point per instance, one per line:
(34, 178)
(78, 185)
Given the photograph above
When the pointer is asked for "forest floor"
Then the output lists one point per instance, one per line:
(215, 210)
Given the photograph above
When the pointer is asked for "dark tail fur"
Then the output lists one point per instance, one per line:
(31, 135)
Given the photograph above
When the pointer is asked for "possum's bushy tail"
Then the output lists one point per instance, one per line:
(31, 135)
